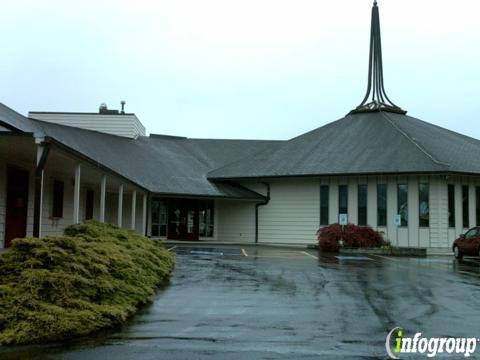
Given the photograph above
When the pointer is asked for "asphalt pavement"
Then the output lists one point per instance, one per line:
(234, 302)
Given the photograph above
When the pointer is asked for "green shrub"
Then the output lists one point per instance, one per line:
(59, 287)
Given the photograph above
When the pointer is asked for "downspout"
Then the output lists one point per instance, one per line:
(263, 203)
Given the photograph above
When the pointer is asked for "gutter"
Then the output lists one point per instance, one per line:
(265, 202)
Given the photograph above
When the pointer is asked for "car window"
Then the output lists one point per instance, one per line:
(471, 233)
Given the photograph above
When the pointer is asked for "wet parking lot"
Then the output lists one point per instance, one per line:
(234, 302)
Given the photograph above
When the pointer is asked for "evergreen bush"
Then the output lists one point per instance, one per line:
(60, 287)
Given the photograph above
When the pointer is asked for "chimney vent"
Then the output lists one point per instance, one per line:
(103, 108)
(123, 107)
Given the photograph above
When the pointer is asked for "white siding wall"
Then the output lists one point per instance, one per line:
(292, 215)
(235, 221)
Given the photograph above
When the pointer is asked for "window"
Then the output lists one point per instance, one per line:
(402, 194)
(382, 205)
(451, 205)
(324, 202)
(465, 207)
(477, 191)
(471, 233)
(89, 205)
(424, 205)
(57, 199)
(362, 204)
(343, 199)
(159, 218)
(206, 224)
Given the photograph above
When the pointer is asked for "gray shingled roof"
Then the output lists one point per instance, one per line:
(363, 143)
(13, 119)
(164, 165)
(360, 143)
(160, 164)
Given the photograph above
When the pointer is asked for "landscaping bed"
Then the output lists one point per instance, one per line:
(94, 276)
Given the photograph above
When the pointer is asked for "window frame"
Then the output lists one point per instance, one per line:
(340, 188)
(403, 213)
(89, 211)
(379, 223)
(427, 185)
(58, 199)
(157, 222)
(451, 205)
(364, 188)
(466, 206)
(324, 205)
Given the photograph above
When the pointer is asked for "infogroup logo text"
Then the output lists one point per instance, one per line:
(397, 344)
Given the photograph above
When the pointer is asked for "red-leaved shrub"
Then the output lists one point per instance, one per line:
(353, 236)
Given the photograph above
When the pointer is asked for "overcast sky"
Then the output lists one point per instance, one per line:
(265, 69)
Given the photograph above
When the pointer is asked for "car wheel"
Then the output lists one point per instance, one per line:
(457, 253)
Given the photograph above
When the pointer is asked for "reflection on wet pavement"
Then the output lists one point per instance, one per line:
(261, 302)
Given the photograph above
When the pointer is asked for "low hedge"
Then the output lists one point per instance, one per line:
(93, 277)
(353, 236)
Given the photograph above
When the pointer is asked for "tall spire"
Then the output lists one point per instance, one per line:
(376, 98)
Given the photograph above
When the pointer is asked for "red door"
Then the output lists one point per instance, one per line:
(182, 219)
(17, 205)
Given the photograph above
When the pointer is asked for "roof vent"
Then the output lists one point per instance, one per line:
(103, 109)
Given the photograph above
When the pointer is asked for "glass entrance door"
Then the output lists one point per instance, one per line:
(182, 219)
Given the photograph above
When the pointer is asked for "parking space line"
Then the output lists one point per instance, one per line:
(244, 252)
(385, 257)
(312, 256)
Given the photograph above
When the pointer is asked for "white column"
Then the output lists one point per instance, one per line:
(76, 195)
(120, 206)
(103, 191)
(144, 215)
(134, 208)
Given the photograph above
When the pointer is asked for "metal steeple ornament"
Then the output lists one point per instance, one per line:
(376, 98)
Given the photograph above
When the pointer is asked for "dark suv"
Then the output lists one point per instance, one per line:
(467, 244)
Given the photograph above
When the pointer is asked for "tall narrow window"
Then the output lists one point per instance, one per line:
(362, 204)
(324, 202)
(424, 204)
(57, 199)
(477, 203)
(465, 207)
(402, 194)
(343, 199)
(451, 205)
(89, 205)
(382, 205)
(159, 217)
(206, 219)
